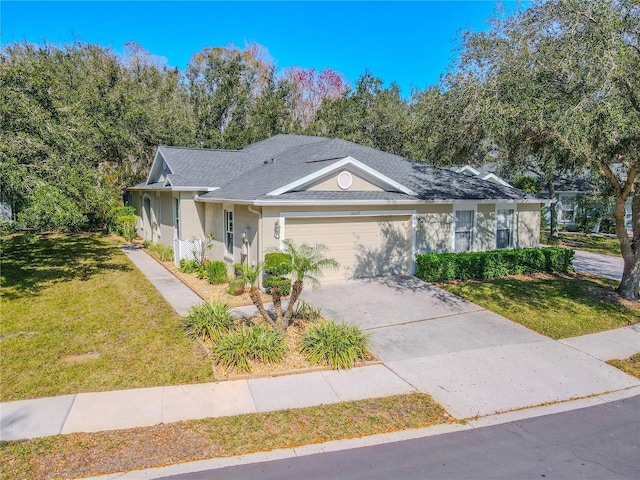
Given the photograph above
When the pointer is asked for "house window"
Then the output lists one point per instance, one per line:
(568, 209)
(504, 229)
(176, 216)
(463, 241)
(228, 231)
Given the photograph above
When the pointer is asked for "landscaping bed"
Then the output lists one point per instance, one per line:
(205, 290)
(270, 344)
(559, 306)
(86, 454)
(294, 360)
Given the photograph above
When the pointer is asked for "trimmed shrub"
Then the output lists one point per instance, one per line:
(217, 272)
(208, 320)
(277, 264)
(441, 267)
(283, 283)
(237, 348)
(337, 344)
(122, 221)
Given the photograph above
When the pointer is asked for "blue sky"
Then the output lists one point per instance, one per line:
(407, 42)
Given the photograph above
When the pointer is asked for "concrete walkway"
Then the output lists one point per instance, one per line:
(179, 296)
(598, 264)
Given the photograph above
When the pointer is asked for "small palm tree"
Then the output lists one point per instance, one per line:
(250, 275)
(308, 263)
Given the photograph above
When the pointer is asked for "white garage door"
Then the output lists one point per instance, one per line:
(363, 246)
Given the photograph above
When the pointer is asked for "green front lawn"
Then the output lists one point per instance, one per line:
(77, 316)
(558, 306)
(590, 243)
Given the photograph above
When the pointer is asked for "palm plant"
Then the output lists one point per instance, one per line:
(250, 274)
(308, 263)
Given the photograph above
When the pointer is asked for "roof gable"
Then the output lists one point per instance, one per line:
(350, 164)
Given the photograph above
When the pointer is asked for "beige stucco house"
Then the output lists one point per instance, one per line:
(373, 210)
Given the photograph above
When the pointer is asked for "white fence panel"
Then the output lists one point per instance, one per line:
(188, 249)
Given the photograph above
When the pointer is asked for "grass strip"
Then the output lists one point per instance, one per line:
(590, 243)
(630, 365)
(85, 454)
(558, 306)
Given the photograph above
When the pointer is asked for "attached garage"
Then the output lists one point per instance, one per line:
(364, 246)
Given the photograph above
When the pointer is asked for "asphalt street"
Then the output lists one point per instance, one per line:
(600, 442)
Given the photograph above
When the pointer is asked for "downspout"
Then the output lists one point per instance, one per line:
(258, 259)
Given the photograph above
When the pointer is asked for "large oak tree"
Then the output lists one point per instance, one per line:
(560, 81)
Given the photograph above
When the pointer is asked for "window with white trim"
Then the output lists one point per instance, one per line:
(568, 209)
(504, 228)
(228, 231)
(463, 236)
(176, 215)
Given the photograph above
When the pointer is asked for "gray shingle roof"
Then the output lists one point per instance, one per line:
(248, 174)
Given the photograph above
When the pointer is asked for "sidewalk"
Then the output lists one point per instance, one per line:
(94, 412)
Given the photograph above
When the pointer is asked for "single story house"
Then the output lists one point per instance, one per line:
(373, 210)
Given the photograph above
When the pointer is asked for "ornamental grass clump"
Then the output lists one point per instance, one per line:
(237, 348)
(208, 320)
(337, 344)
(217, 272)
(160, 250)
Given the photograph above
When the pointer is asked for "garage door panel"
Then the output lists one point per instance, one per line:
(364, 246)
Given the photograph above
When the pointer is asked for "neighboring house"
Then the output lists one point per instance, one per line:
(568, 190)
(373, 210)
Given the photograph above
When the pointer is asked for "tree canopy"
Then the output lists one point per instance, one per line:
(558, 86)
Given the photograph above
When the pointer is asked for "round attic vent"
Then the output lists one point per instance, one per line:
(345, 180)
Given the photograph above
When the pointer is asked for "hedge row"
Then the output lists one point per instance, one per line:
(438, 267)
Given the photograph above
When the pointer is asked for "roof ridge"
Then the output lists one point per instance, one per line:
(196, 149)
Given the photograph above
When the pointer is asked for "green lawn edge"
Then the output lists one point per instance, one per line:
(558, 306)
(87, 454)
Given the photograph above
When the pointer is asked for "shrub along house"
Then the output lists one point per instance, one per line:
(373, 210)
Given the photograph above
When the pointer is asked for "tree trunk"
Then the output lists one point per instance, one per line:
(630, 249)
(296, 290)
(254, 294)
(276, 295)
(630, 282)
(553, 211)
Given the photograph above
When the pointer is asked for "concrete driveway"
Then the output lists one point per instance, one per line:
(472, 361)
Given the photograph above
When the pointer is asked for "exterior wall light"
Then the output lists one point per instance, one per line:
(276, 231)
